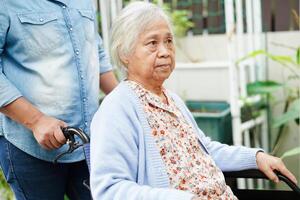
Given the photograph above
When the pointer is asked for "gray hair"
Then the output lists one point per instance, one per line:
(129, 24)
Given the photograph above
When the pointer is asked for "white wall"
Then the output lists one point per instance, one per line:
(201, 81)
(207, 78)
(202, 48)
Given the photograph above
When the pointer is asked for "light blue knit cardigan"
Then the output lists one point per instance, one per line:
(125, 162)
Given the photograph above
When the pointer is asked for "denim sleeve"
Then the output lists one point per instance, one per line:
(104, 59)
(8, 92)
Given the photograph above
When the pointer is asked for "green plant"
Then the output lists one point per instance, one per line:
(292, 99)
(180, 19)
(268, 87)
(5, 191)
(181, 22)
(98, 17)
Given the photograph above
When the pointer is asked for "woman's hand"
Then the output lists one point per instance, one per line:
(267, 164)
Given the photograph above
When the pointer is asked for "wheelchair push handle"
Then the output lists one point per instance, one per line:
(290, 183)
(70, 133)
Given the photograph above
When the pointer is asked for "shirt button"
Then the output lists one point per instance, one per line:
(77, 52)
(71, 29)
(85, 123)
(84, 99)
(64, 7)
(41, 19)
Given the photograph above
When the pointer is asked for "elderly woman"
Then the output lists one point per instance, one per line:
(145, 143)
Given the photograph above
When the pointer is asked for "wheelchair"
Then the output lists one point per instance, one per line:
(77, 138)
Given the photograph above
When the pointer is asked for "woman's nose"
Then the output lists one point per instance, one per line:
(163, 51)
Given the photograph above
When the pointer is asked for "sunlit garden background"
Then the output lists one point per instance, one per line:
(238, 69)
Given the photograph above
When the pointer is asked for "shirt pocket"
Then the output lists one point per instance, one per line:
(88, 24)
(41, 33)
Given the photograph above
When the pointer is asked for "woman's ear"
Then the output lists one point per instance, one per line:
(124, 59)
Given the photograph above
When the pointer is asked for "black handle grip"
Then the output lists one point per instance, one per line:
(70, 132)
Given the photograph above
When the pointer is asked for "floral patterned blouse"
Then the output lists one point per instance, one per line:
(188, 166)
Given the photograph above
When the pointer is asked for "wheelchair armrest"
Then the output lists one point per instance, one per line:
(255, 173)
(249, 173)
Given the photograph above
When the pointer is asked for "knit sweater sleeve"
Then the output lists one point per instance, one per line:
(227, 158)
(115, 157)
(230, 158)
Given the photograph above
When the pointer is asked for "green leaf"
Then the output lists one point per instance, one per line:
(181, 22)
(253, 54)
(291, 152)
(282, 59)
(295, 105)
(285, 118)
(298, 57)
(292, 113)
(277, 58)
(263, 87)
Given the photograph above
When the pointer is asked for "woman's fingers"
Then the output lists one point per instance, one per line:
(271, 175)
(282, 169)
(267, 164)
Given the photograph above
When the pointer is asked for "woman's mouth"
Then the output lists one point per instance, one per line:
(163, 65)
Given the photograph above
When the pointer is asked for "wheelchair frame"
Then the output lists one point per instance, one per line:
(72, 134)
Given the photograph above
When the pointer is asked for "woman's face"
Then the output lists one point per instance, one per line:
(152, 60)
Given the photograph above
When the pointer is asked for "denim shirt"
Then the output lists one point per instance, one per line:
(51, 54)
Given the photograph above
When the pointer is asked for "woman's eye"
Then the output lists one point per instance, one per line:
(152, 43)
(170, 41)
